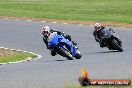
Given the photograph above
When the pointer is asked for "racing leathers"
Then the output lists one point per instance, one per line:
(97, 34)
(45, 39)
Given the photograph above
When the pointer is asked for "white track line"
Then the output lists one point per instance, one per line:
(65, 23)
(43, 21)
(80, 24)
(29, 20)
(54, 22)
(5, 18)
(28, 59)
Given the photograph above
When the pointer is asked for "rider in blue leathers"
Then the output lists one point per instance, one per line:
(47, 33)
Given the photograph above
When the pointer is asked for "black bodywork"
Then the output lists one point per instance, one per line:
(110, 40)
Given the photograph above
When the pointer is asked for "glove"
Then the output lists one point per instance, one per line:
(59, 33)
(53, 30)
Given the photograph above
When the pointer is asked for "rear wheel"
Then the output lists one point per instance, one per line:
(116, 45)
(65, 53)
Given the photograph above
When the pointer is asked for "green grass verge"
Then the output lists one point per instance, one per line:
(12, 56)
(81, 10)
(78, 86)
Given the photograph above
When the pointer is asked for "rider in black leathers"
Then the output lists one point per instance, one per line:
(46, 30)
(97, 34)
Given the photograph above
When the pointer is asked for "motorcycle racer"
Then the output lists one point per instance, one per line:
(97, 34)
(46, 31)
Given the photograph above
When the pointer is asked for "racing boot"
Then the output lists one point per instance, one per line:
(53, 52)
(101, 44)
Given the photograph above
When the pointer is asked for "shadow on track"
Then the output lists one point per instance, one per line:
(54, 60)
(108, 52)
(101, 52)
(60, 60)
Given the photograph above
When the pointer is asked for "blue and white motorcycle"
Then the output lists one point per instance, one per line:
(63, 46)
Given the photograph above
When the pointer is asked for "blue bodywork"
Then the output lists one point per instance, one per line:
(60, 41)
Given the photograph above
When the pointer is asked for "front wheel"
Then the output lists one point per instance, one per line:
(78, 55)
(116, 45)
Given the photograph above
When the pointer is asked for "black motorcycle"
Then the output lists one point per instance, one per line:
(110, 40)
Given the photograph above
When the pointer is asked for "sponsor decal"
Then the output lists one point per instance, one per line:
(85, 81)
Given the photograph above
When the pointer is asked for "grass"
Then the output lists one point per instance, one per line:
(12, 56)
(75, 10)
(78, 86)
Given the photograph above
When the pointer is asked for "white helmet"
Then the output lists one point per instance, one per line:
(97, 26)
(45, 30)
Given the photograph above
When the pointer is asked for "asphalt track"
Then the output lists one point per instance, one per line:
(55, 72)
